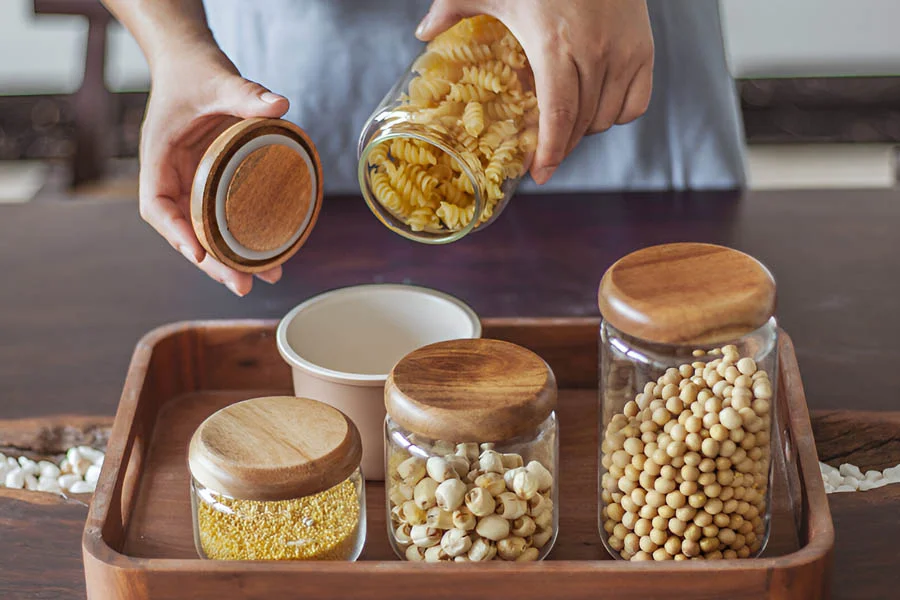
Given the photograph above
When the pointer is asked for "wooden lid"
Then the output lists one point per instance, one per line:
(473, 390)
(274, 448)
(687, 294)
(256, 194)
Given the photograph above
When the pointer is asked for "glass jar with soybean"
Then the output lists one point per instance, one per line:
(277, 478)
(471, 453)
(687, 390)
(444, 151)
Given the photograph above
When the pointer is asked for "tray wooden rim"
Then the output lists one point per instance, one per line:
(98, 553)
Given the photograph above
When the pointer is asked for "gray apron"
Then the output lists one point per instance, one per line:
(336, 59)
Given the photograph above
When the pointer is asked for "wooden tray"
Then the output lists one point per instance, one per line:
(138, 542)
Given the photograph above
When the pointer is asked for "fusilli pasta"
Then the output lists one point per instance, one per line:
(473, 89)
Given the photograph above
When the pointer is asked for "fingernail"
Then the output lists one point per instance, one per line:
(233, 287)
(423, 26)
(268, 279)
(269, 97)
(186, 252)
(544, 174)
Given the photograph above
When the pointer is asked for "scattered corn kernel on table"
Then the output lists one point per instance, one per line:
(84, 280)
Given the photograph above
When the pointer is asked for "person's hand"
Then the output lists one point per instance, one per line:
(592, 62)
(196, 94)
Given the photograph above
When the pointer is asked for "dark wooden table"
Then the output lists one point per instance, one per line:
(81, 282)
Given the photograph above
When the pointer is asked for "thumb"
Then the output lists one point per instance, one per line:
(444, 14)
(244, 98)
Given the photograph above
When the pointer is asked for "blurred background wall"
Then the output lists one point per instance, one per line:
(764, 38)
(812, 73)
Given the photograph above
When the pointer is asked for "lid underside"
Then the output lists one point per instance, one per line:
(257, 194)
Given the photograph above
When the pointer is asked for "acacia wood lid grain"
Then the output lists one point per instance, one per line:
(256, 194)
(475, 390)
(274, 448)
(687, 293)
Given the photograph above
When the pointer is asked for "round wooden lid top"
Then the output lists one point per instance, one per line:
(472, 390)
(687, 293)
(274, 448)
(256, 194)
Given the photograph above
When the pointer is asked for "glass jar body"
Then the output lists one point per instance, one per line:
(686, 443)
(329, 525)
(452, 500)
(444, 151)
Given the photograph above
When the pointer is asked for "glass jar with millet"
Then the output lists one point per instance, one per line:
(277, 478)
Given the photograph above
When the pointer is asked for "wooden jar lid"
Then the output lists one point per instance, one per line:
(256, 194)
(274, 448)
(687, 293)
(472, 390)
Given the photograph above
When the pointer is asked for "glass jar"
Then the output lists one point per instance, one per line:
(688, 366)
(277, 478)
(471, 453)
(446, 148)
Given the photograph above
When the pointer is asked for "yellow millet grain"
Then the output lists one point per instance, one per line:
(324, 526)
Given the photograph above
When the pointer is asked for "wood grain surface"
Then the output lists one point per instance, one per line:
(73, 307)
(74, 303)
(481, 390)
(42, 438)
(268, 198)
(687, 293)
(861, 534)
(138, 542)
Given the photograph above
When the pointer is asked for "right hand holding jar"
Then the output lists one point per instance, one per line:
(686, 425)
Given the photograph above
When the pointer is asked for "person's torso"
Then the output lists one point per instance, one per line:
(335, 60)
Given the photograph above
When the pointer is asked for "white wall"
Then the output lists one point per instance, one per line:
(45, 53)
(791, 38)
(764, 38)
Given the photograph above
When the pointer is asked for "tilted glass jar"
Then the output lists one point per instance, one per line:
(444, 151)
(471, 453)
(688, 368)
(277, 478)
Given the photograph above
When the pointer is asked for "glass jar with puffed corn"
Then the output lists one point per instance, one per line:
(277, 478)
(444, 151)
(687, 391)
(471, 453)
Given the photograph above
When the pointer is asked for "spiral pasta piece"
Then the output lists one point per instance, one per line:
(473, 118)
(378, 155)
(502, 111)
(495, 135)
(455, 217)
(386, 195)
(422, 219)
(509, 54)
(406, 187)
(463, 183)
(406, 151)
(423, 91)
(503, 155)
(454, 195)
(469, 92)
(454, 51)
(483, 78)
